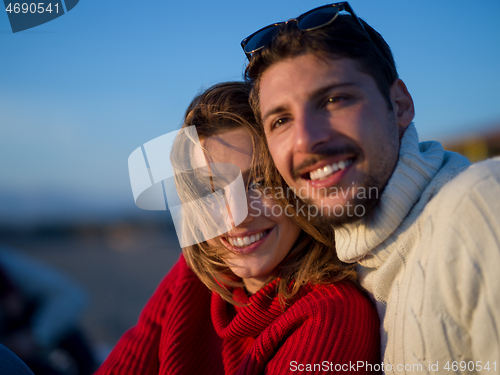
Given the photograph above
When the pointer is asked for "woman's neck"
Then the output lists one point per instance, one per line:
(254, 284)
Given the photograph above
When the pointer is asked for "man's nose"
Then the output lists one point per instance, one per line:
(310, 131)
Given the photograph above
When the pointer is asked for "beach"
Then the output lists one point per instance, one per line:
(120, 268)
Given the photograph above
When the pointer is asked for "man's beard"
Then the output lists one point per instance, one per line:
(353, 211)
(375, 180)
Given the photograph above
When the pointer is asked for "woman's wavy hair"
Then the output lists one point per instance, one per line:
(219, 109)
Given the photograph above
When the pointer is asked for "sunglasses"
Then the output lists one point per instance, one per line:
(311, 20)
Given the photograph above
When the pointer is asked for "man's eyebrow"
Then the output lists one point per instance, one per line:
(323, 90)
(273, 111)
(314, 95)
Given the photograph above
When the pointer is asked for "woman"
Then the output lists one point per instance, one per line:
(281, 302)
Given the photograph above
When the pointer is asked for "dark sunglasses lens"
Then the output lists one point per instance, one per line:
(262, 38)
(317, 18)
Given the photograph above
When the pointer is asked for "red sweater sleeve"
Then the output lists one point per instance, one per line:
(334, 329)
(327, 327)
(137, 350)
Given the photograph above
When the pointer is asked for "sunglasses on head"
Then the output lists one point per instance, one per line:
(311, 20)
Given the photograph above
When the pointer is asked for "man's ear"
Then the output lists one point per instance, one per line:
(403, 105)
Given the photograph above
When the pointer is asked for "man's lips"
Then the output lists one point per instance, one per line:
(327, 167)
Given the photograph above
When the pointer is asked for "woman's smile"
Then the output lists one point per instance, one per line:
(257, 246)
(245, 244)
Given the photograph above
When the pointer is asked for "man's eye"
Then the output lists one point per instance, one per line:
(278, 122)
(336, 99)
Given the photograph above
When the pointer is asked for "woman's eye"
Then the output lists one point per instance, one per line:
(220, 192)
(257, 184)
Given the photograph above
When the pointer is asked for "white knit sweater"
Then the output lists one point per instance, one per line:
(429, 255)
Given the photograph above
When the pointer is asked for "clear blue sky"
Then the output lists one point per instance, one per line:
(80, 93)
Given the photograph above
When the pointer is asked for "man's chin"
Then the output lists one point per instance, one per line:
(335, 212)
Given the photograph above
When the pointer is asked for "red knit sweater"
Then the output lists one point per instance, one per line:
(184, 329)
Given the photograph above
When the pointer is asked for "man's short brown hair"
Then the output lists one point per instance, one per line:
(343, 38)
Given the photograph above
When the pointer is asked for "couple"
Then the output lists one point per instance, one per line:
(333, 124)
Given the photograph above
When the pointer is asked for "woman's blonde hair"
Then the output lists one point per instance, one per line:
(222, 108)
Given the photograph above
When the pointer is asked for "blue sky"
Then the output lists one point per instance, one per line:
(80, 93)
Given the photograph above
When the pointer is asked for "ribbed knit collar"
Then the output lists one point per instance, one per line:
(419, 174)
(261, 310)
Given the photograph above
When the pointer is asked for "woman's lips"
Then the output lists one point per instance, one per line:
(246, 249)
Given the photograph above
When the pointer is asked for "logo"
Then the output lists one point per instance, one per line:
(204, 199)
(27, 14)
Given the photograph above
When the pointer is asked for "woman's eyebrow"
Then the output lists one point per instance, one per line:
(214, 180)
(221, 182)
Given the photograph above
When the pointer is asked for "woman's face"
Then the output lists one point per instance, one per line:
(265, 237)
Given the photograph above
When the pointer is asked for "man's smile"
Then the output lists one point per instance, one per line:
(329, 169)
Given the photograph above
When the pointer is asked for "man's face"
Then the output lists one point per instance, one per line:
(330, 132)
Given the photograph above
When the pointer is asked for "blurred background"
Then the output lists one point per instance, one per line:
(80, 93)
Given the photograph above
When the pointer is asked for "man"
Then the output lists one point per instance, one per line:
(423, 225)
